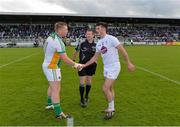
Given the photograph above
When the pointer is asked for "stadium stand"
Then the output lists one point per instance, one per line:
(132, 31)
(138, 33)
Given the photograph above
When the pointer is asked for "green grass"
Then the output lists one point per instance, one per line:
(141, 98)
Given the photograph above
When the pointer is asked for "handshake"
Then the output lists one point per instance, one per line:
(79, 67)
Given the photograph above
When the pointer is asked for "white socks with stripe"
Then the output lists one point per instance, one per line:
(111, 105)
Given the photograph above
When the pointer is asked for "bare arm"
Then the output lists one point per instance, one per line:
(93, 59)
(67, 60)
(122, 50)
(75, 55)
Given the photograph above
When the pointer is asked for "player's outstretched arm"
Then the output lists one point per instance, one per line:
(122, 50)
(92, 60)
(68, 61)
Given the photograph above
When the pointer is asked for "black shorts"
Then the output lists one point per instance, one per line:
(88, 71)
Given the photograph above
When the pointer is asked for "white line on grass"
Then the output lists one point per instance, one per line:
(158, 75)
(140, 68)
(23, 58)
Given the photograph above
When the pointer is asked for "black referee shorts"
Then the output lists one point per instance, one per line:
(88, 71)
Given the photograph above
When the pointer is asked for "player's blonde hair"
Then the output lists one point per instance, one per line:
(59, 25)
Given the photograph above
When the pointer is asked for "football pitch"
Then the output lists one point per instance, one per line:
(148, 96)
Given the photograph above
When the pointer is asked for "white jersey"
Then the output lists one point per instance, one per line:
(107, 47)
(52, 48)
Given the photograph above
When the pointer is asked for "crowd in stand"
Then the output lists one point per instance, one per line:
(137, 33)
(24, 31)
(145, 33)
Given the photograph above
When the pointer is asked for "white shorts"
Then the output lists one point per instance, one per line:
(112, 71)
(52, 74)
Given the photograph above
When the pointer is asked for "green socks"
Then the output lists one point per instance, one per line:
(57, 109)
(49, 102)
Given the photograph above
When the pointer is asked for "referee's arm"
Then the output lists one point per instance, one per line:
(75, 54)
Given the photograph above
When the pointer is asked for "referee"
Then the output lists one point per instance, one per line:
(86, 51)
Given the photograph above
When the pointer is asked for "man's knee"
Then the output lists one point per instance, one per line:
(88, 80)
(55, 94)
(55, 87)
(82, 79)
(105, 88)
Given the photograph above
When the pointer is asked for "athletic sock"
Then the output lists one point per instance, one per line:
(111, 105)
(49, 102)
(57, 109)
(81, 91)
(88, 88)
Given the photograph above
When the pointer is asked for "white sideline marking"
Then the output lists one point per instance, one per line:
(158, 75)
(23, 58)
(138, 67)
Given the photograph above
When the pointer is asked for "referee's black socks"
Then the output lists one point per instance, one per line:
(81, 91)
(88, 88)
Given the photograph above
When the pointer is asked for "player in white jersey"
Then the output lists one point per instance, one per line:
(108, 46)
(54, 50)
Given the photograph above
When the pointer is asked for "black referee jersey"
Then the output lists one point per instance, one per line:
(87, 51)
